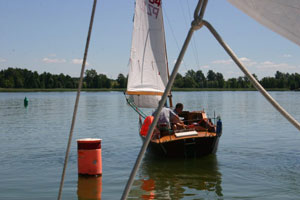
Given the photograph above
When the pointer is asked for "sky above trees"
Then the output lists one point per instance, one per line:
(50, 36)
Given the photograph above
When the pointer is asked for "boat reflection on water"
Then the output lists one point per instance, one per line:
(176, 179)
(89, 187)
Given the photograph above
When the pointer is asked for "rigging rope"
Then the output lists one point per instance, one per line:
(194, 44)
(77, 100)
(256, 84)
(135, 108)
(172, 31)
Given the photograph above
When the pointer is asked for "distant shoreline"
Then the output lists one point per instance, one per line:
(123, 89)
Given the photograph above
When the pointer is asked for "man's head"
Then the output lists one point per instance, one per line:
(179, 108)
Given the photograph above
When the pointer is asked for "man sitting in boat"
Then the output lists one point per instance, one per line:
(177, 123)
(178, 108)
(167, 117)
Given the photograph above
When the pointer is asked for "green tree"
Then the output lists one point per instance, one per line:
(36, 80)
(268, 82)
(232, 83)
(200, 79)
(179, 82)
(90, 75)
(103, 81)
(281, 79)
(190, 79)
(211, 75)
(212, 79)
(49, 81)
(121, 80)
(1, 79)
(220, 80)
(69, 82)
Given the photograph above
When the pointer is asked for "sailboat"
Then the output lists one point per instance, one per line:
(147, 80)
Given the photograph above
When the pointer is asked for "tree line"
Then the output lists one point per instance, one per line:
(23, 78)
(197, 79)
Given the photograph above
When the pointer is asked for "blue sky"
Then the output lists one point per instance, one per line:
(50, 36)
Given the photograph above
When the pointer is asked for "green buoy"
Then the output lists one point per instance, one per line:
(25, 102)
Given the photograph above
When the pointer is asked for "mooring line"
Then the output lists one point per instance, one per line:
(77, 100)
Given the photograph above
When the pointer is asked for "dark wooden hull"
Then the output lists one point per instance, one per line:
(185, 147)
(199, 138)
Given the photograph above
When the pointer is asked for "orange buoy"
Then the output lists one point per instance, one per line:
(147, 122)
(89, 156)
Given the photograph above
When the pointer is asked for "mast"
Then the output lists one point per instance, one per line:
(170, 95)
(167, 63)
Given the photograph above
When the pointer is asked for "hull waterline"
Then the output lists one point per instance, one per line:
(185, 147)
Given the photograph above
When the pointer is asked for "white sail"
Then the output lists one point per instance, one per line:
(281, 16)
(148, 74)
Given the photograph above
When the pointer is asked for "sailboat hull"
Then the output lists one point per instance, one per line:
(185, 147)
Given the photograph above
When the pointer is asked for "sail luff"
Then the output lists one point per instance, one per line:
(148, 73)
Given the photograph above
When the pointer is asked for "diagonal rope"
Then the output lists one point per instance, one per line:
(77, 100)
(135, 107)
(257, 85)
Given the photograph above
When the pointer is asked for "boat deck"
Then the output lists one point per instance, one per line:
(172, 137)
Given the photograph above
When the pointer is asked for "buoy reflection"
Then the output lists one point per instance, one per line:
(148, 186)
(89, 187)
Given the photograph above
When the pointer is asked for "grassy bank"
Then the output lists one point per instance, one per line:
(226, 89)
(122, 89)
(58, 90)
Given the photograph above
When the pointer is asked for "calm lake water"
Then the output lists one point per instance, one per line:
(258, 156)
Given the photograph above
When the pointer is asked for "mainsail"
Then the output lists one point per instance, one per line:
(148, 74)
(281, 16)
